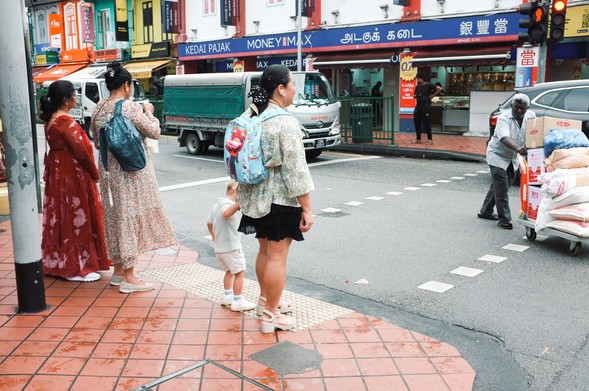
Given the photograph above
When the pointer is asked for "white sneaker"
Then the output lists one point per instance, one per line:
(87, 278)
(226, 300)
(242, 305)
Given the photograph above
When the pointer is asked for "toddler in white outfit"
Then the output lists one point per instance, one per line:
(222, 223)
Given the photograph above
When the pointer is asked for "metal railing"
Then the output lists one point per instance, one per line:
(366, 119)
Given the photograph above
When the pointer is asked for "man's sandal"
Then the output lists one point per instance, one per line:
(415, 142)
(273, 324)
(283, 307)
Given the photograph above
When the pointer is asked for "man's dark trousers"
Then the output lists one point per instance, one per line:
(497, 194)
(421, 116)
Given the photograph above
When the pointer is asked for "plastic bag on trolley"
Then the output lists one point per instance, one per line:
(564, 139)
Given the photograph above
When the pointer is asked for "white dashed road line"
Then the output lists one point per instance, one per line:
(516, 247)
(330, 210)
(375, 198)
(457, 178)
(471, 174)
(436, 286)
(428, 185)
(410, 188)
(492, 258)
(394, 193)
(353, 203)
(466, 271)
(443, 181)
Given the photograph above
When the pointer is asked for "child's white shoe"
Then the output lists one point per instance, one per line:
(226, 300)
(242, 305)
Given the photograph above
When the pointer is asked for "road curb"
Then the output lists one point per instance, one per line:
(417, 153)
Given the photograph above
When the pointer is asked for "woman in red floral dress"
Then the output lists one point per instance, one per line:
(73, 244)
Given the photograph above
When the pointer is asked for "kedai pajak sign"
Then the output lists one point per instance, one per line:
(492, 28)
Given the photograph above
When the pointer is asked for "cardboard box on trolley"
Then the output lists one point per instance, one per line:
(536, 166)
(538, 128)
(535, 195)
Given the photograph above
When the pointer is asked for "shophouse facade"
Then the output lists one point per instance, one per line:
(468, 47)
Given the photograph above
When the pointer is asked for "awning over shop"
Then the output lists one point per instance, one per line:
(478, 55)
(144, 69)
(354, 60)
(442, 55)
(57, 72)
(38, 70)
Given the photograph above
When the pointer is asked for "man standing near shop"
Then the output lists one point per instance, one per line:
(508, 140)
(424, 93)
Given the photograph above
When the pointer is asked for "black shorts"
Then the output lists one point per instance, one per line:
(282, 222)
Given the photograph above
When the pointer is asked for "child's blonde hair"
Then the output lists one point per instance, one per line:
(232, 185)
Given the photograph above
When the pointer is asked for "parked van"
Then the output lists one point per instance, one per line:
(199, 107)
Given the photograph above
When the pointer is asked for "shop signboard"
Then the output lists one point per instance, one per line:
(87, 22)
(75, 55)
(156, 49)
(577, 22)
(170, 16)
(106, 55)
(55, 31)
(452, 31)
(42, 48)
(526, 69)
(229, 12)
(407, 73)
(122, 20)
(40, 59)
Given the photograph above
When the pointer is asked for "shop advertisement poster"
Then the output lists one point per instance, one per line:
(526, 69)
(407, 84)
(55, 31)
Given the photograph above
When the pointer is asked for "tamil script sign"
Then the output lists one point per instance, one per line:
(492, 28)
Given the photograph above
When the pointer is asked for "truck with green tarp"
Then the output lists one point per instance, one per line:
(199, 107)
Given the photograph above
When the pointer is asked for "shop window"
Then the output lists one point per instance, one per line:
(547, 98)
(209, 7)
(92, 92)
(148, 21)
(42, 25)
(577, 100)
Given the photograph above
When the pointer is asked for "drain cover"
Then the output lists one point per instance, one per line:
(288, 358)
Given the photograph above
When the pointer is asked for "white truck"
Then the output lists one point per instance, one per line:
(198, 108)
(91, 88)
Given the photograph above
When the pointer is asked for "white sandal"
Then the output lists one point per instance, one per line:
(272, 325)
(285, 308)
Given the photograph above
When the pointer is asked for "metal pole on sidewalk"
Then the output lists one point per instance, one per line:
(20, 162)
(299, 35)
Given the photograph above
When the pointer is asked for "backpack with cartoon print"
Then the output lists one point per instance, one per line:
(243, 147)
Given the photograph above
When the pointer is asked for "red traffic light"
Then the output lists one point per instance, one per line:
(559, 5)
(538, 14)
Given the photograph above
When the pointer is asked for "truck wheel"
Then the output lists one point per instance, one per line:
(194, 145)
(313, 153)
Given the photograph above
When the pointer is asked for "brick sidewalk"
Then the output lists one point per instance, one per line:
(94, 338)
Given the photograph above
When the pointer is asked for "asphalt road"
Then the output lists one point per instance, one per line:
(521, 323)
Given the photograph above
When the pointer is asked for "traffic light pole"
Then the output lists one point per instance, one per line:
(15, 111)
(542, 51)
